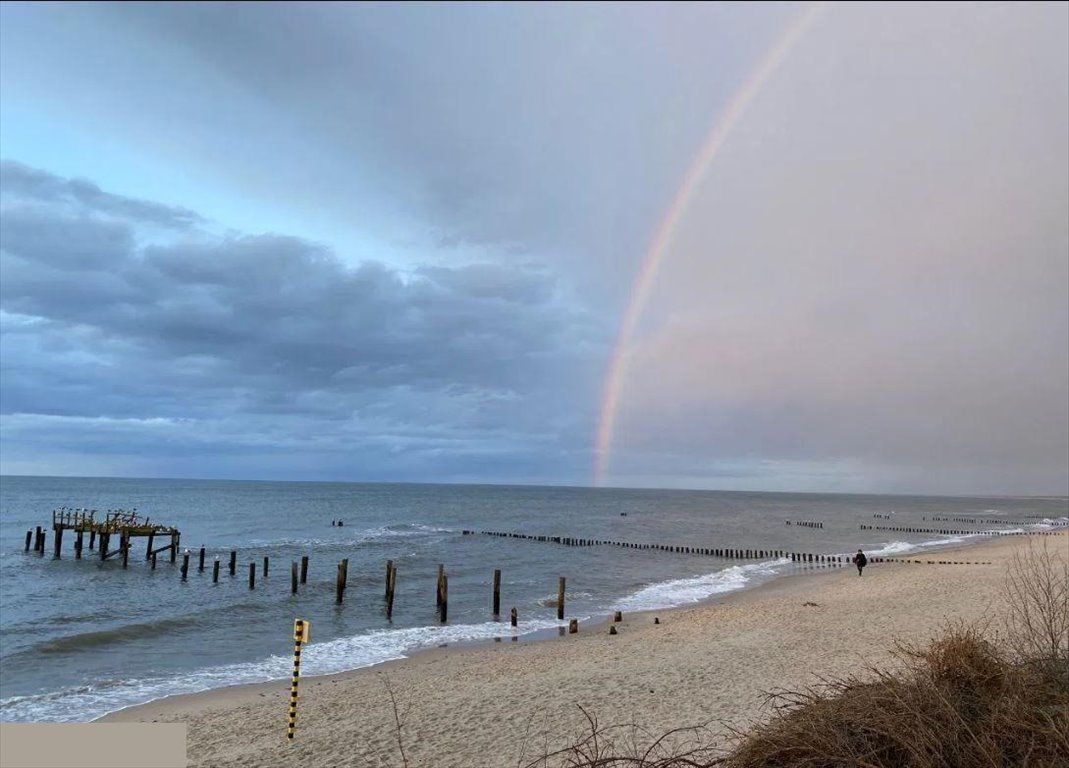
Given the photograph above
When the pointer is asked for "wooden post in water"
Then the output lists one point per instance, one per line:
(215, 570)
(444, 613)
(233, 562)
(153, 561)
(560, 599)
(124, 542)
(104, 536)
(339, 584)
(513, 618)
(389, 568)
(389, 596)
(293, 577)
(92, 539)
(200, 561)
(58, 544)
(185, 565)
(44, 540)
(174, 547)
(265, 566)
(438, 589)
(29, 538)
(573, 626)
(252, 575)
(148, 549)
(497, 592)
(304, 569)
(78, 544)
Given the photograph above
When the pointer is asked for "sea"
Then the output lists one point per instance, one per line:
(82, 638)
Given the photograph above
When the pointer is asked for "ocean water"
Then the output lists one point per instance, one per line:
(79, 639)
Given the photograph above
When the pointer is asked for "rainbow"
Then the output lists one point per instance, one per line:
(647, 272)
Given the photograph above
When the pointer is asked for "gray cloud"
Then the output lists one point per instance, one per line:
(272, 340)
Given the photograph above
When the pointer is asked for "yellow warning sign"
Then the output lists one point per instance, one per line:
(302, 630)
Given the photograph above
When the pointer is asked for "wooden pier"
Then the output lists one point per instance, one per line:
(120, 523)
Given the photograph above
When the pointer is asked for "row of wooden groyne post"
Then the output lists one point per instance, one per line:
(949, 532)
(730, 554)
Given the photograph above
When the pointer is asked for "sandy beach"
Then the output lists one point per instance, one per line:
(503, 704)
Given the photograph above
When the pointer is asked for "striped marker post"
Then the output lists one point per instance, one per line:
(301, 629)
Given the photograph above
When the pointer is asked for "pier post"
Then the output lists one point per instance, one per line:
(339, 584)
(233, 562)
(513, 618)
(148, 549)
(29, 538)
(104, 540)
(560, 599)
(444, 612)
(185, 565)
(438, 589)
(124, 542)
(200, 562)
(252, 575)
(174, 547)
(304, 569)
(153, 561)
(215, 570)
(92, 539)
(78, 544)
(573, 626)
(497, 592)
(58, 544)
(293, 577)
(265, 566)
(389, 568)
(391, 584)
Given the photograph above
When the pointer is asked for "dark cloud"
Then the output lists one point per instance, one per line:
(35, 186)
(242, 332)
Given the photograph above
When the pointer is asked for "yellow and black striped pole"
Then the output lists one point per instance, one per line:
(300, 635)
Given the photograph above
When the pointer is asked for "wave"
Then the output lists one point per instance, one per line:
(87, 702)
(342, 535)
(677, 592)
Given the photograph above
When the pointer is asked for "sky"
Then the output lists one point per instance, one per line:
(399, 242)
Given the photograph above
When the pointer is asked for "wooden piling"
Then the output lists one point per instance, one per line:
(443, 613)
(266, 566)
(497, 592)
(513, 618)
(79, 542)
(215, 571)
(174, 546)
(124, 542)
(438, 589)
(573, 626)
(293, 577)
(58, 543)
(185, 565)
(29, 538)
(304, 569)
(252, 575)
(200, 560)
(339, 584)
(148, 549)
(391, 585)
(92, 539)
(389, 569)
(153, 561)
(233, 562)
(560, 599)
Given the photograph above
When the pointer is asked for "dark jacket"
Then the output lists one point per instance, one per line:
(861, 560)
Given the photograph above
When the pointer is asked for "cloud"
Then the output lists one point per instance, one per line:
(246, 342)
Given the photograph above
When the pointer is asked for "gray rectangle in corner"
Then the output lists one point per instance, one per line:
(92, 745)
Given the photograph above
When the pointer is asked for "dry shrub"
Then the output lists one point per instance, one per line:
(1037, 593)
(959, 702)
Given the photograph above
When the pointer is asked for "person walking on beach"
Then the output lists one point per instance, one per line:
(860, 561)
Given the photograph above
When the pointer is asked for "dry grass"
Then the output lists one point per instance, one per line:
(968, 699)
